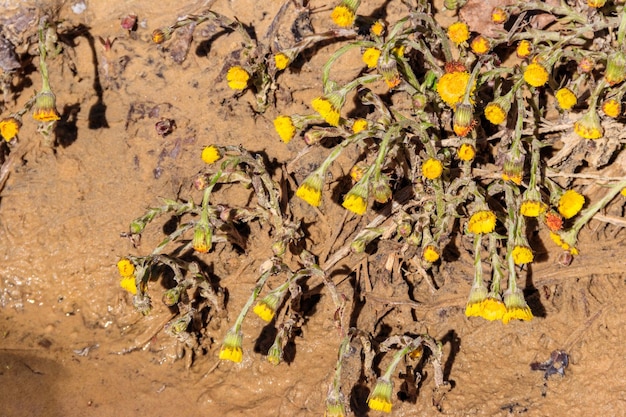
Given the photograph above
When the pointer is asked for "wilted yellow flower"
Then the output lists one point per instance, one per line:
(615, 71)
(285, 128)
(522, 255)
(536, 74)
(202, 236)
(327, 110)
(483, 221)
(432, 168)
(480, 45)
(237, 78)
(570, 203)
(231, 348)
(370, 57)
(281, 60)
(516, 307)
(451, 87)
(161, 35)
(380, 398)
(128, 284)
(566, 98)
(311, 189)
(556, 238)
(45, 107)
(458, 32)
(524, 49)
(430, 254)
(356, 199)
(463, 122)
(612, 108)
(589, 126)
(532, 208)
(499, 15)
(596, 3)
(9, 128)
(466, 152)
(492, 308)
(343, 16)
(266, 308)
(478, 294)
(211, 154)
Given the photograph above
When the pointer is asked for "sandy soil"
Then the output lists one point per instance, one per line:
(65, 322)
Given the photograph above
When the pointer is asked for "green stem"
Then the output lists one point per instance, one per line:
(255, 294)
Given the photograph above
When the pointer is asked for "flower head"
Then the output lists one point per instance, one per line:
(513, 168)
(463, 121)
(45, 107)
(499, 15)
(483, 221)
(596, 3)
(480, 45)
(281, 60)
(556, 238)
(356, 199)
(492, 308)
(553, 220)
(161, 35)
(516, 307)
(496, 111)
(532, 208)
(451, 87)
(285, 128)
(612, 108)
(9, 128)
(129, 284)
(126, 267)
(231, 347)
(570, 203)
(378, 28)
(370, 57)
(345, 14)
(430, 254)
(388, 68)
(615, 71)
(380, 398)
(524, 49)
(359, 125)
(266, 307)
(565, 98)
(466, 152)
(589, 126)
(522, 255)
(211, 154)
(311, 189)
(478, 294)
(237, 78)
(458, 32)
(432, 168)
(328, 107)
(202, 238)
(536, 74)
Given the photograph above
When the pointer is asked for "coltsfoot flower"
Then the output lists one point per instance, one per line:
(588, 126)
(458, 32)
(126, 267)
(129, 284)
(285, 128)
(463, 122)
(356, 199)
(266, 307)
(281, 60)
(380, 398)
(211, 154)
(516, 307)
(483, 221)
(327, 109)
(480, 45)
(522, 255)
(478, 294)
(432, 168)
(9, 128)
(370, 57)
(311, 189)
(615, 71)
(532, 208)
(231, 347)
(565, 98)
(378, 28)
(612, 108)
(237, 78)
(524, 49)
(570, 203)
(466, 152)
(492, 308)
(499, 15)
(45, 107)
(536, 74)
(430, 254)
(345, 14)
(553, 220)
(451, 87)
(496, 111)
(556, 238)
(359, 125)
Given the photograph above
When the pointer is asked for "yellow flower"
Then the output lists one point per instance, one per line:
(377, 28)
(466, 152)
(128, 283)
(161, 35)
(311, 189)
(458, 32)
(451, 87)
(237, 78)
(356, 200)
(612, 108)
(532, 208)
(9, 128)
(211, 154)
(522, 255)
(357, 171)
(524, 49)
(202, 236)
(126, 267)
(499, 15)
(497, 110)
(492, 308)
(483, 221)
(480, 45)
(566, 98)
(623, 192)
(380, 398)
(516, 307)
(343, 16)
(596, 3)
(478, 294)
(327, 110)
(359, 125)
(335, 409)
(231, 348)
(432, 168)
(430, 254)
(556, 238)
(463, 122)
(285, 128)
(589, 126)
(281, 60)
(370, 57)
(536, 75)
(45, 107)
(615, 71)
(570, 203)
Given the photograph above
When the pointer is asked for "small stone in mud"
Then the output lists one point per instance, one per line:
(165, 126)
(557, 363)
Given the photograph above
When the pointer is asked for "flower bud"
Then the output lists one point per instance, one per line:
(615, 71)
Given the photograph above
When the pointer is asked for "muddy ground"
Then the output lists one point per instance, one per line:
(64, 320)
